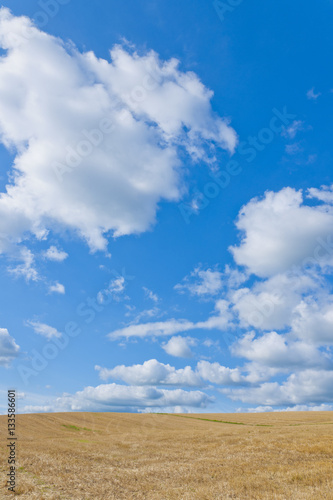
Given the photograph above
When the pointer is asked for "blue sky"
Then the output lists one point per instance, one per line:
(166, 209)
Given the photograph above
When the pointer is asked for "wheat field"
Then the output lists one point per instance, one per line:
(158, 456)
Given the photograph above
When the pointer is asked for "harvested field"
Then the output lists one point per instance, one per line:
(156, 456)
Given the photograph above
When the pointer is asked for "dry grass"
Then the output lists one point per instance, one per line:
(124, 456)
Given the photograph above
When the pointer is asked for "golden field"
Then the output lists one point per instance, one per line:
(156, 456)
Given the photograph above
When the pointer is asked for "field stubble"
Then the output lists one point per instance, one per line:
(155, 456)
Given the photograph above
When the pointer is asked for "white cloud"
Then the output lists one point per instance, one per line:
(315, 386)
(110, 175)
(167, 409)
(312, 95)
(180, 347)
(114, 290)
(114, 397)
(151, 372)
(27, 269)
(57, 288)
(287, 244)
(158, 328)
(292, 149)
(279, 232)
(146, 313)
(258, 409)
(234, 277)
(218, 374)
(211, 343)
(45, 330)
(150, 295)
(201, 282)
(291, 131)
(325, 194)
(322, 407)
(251, 373)
(219, 321)
(271, 304)
(53, 253)
(262, 409)
(273, 350)
(313, 321)
(117, 285)
(38, 409)
(9, 350)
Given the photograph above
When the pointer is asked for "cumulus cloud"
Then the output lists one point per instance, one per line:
(167, 409)
(286, 243)
(154, 373)
(114, 397)
(9, 350)
(260, 409)
(313, 320)
(201, 282)
(221, 375)
(104, 136)
(45, 330)
(234, 277)
(151, 372)
(283, 317)
(271, 304)
(57, 288)
(180, 347)
(53, 253)
(280, 231)
(315, 386)
(273, 350)
(325, 194)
